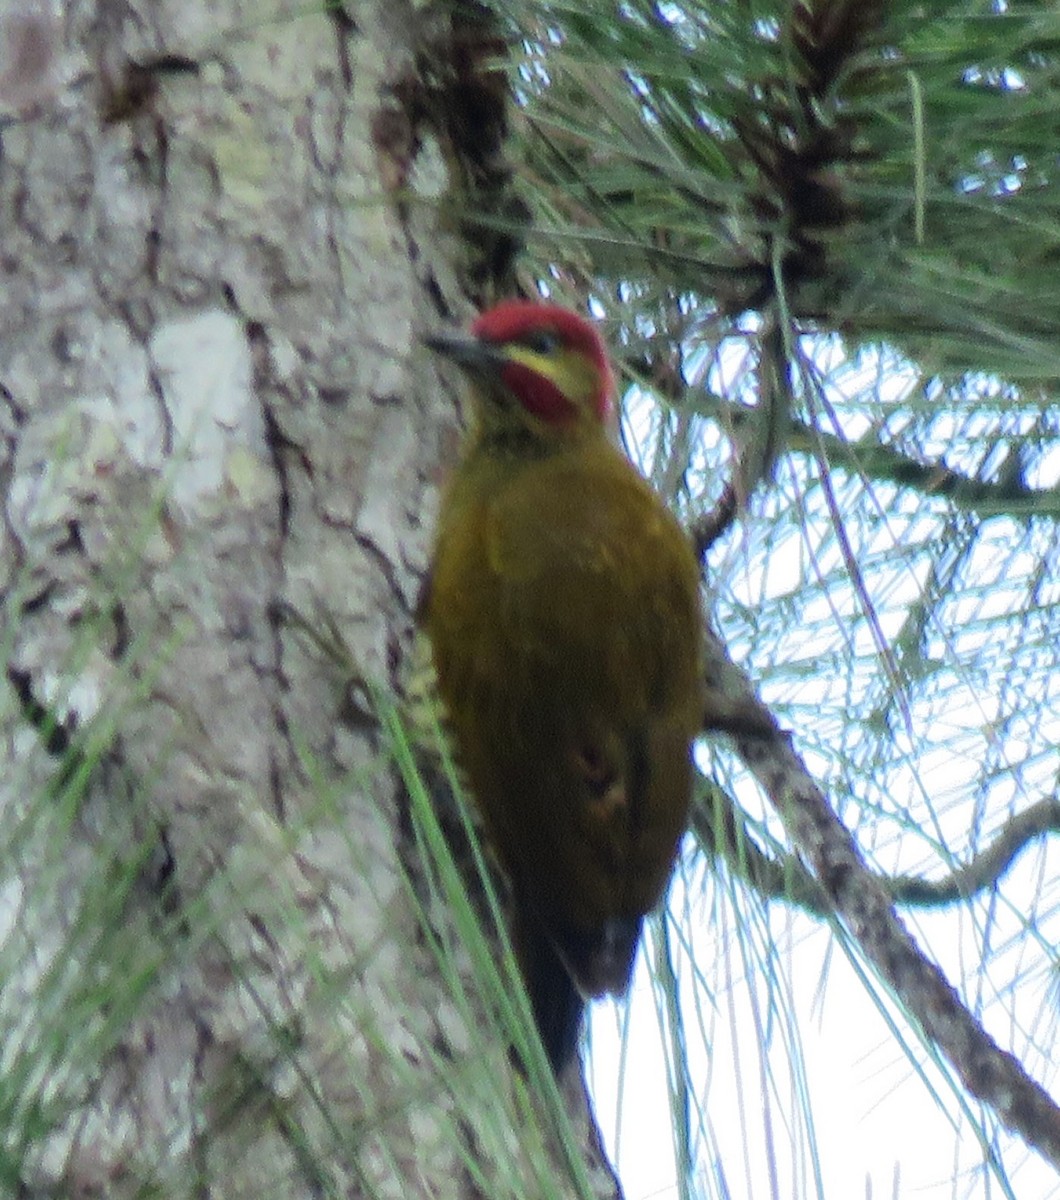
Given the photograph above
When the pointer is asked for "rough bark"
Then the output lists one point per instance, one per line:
(222, 228)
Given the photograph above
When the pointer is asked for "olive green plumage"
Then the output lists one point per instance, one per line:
(563, 614)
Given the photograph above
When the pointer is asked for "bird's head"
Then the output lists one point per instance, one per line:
(535, 367)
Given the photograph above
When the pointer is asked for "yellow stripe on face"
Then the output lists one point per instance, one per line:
(569, 371)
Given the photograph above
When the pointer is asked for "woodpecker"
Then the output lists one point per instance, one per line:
(563, 614)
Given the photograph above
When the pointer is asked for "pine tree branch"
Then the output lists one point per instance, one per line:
(721, 827)
(756, 455)
(882, 463)
(887, 464)
(862, 902)
(986, 868)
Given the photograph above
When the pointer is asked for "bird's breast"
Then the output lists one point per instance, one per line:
(564, 617)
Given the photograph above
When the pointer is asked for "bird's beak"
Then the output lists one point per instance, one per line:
(467, 351)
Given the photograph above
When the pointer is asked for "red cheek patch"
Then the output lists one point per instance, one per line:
(537, 394)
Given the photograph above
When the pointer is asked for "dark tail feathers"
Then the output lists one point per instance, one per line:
(557, 1006)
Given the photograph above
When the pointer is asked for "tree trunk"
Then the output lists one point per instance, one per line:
(223, 229)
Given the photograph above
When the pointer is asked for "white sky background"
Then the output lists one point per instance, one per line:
(878, 1131)
(766, 973)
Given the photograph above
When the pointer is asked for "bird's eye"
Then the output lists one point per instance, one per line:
(542, 341)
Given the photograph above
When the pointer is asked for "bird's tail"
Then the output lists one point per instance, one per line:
(557, 1006)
